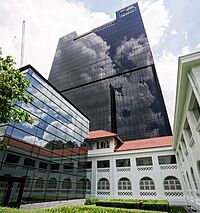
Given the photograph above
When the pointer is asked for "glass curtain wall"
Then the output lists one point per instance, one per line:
(109, 73)
(50, 155)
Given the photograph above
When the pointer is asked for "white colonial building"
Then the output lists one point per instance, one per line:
(148, 169)
(187, 125)
(140, 169)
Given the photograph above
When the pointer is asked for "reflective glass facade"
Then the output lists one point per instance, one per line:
(47, 160)
(109, 74)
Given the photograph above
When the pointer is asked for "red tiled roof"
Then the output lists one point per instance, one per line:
(146, 143)
(100, 134)
(43, 151)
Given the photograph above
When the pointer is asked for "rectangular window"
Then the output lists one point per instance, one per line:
(167, 159)
(103, 145)
(187, 129)
(103, 164)
(10, 158)
(55, 166)
(29, 162)
(146, 161)
(123, 163)
(89, 164)
(43, 165)
(196, 110)
(68, 166)
(82, 165)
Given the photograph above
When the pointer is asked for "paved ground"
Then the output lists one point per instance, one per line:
(52, 204)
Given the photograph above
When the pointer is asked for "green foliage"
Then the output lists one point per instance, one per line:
(3, 145)
(90, 201)
(77, 209)
(13, 86)
(177, 209)
(137, 201)
(157, 205)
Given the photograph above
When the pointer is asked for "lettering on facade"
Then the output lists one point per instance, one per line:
(127, 10)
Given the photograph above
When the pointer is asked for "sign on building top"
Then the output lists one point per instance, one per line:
(127, 10)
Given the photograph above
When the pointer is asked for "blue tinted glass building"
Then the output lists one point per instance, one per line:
(47, 160)
(109, 74)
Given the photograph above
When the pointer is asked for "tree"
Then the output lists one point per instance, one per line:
(13, 86)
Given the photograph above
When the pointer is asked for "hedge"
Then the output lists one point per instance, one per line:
(135, 204)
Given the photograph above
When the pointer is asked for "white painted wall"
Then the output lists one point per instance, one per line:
(134, 173)
(191, 155)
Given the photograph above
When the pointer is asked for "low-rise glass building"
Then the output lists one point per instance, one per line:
(44, 161)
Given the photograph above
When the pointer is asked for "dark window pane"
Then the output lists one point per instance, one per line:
(167, 159)
(103, 164)
(123, 163)
(29, 162)
(55, 166)
(43, 165)
(146, 161)
(10, 158)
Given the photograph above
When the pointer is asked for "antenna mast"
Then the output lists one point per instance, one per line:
(22, 44)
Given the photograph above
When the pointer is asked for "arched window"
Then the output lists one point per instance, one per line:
(88, 184)
(39, 184)
(124, 184)
(67, 184)
(193, 178)
(172, 183)
(147, 183)
(84, 183)
(103, 184)
(52, 183)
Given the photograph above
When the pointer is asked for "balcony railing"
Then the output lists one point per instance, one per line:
(168, 166)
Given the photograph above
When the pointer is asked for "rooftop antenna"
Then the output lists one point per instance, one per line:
(22, 44)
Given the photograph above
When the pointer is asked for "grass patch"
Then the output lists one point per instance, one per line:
(77, 209)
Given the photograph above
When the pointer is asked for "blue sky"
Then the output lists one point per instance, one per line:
(173, 29)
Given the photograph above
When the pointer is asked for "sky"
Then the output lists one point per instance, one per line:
(172, 26)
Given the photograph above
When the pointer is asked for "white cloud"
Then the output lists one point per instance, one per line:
(46, 22)
(185, 35)
(198, 45)
(167, 67)
(134, 50)
(174, 32)
(184, 50)
(156, 19)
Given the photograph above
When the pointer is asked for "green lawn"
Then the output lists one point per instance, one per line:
(84, 209)
(76, 209)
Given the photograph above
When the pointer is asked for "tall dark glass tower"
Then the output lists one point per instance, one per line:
(109, 74)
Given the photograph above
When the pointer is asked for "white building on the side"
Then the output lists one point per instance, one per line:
(186, 140)
(157, 168)
(140, 169)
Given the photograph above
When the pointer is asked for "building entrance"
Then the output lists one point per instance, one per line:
(11, 190)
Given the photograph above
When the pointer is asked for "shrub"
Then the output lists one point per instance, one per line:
(135, 204)
(90, 201)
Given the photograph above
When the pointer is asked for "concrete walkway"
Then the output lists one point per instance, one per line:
(52, 204)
